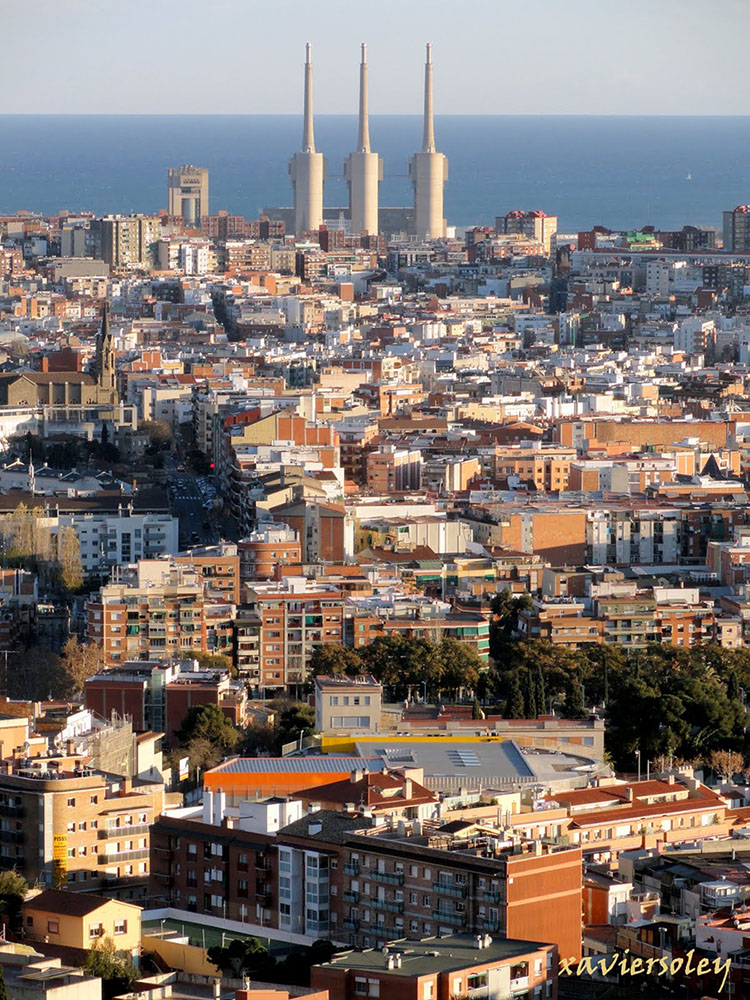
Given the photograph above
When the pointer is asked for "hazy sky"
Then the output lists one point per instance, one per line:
(491, 57)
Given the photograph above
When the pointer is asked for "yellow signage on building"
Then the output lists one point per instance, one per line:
(60, 858)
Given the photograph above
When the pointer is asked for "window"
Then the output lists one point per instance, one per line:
(95, 930)
(373, 987)
(428, 990)
(121, 926)
(53, 927)
(94, 800)
(360, 987)
(478, 980)
(71, 802)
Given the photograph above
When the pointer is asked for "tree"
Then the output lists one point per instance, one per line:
(201, 753)
(725, 763)
(33, 673)
(459, 665)
(13, 889)
(208, 722)
(116, 972)
(215, 661)
(574, 707)
(295, 722)
(69, 558)
(20, 532)
(159, 432)
(531, 704)
(505, 608)
(3, 987)
(78, 661)
(476, 710)
(332, 660)
(515, 705)
(243, 957)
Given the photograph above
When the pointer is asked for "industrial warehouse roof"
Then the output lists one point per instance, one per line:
(493, 763)
(290, 765)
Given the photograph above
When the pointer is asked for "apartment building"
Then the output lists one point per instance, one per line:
(159, 608)
(65, 825)
(374, 884)
(451, 965)
(219, 568)
(296, 615)
(394, 470)
(535, 225)
(319, 527)
(343, 702)
(628, 537)
(221, 863)
(111, 539)
(610, 818)
(563, 621)
(263, 551)
(126, 240)
(157, 696)
(417, 617)
(546, 466)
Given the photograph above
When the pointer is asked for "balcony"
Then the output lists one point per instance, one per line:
(387, 905)
(351, 897)
(490, 897)
(351, 868)
(123, 831)
(391, 878)
(449, 889)
(351, 925)
(444, 917)
(108, 859)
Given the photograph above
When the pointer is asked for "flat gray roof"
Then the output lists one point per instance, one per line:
(431, 955)
(489, 763)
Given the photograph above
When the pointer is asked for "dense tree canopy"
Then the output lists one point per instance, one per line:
(665, 702)
(251, 958)
(206, 736)
(116, 973)
(405, 665)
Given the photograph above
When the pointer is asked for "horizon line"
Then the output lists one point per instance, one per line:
(346, 114)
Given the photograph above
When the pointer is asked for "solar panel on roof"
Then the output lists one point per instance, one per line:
(463, 758)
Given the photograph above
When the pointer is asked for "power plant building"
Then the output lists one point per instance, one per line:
(187, 193)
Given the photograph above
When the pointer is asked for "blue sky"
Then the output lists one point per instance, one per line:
(491, 57)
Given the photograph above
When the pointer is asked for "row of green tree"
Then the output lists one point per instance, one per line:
(249, 957)
(407, 666)
(661, 701)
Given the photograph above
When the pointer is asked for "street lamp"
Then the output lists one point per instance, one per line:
(638, 755)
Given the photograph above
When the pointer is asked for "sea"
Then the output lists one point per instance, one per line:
(621, 172)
